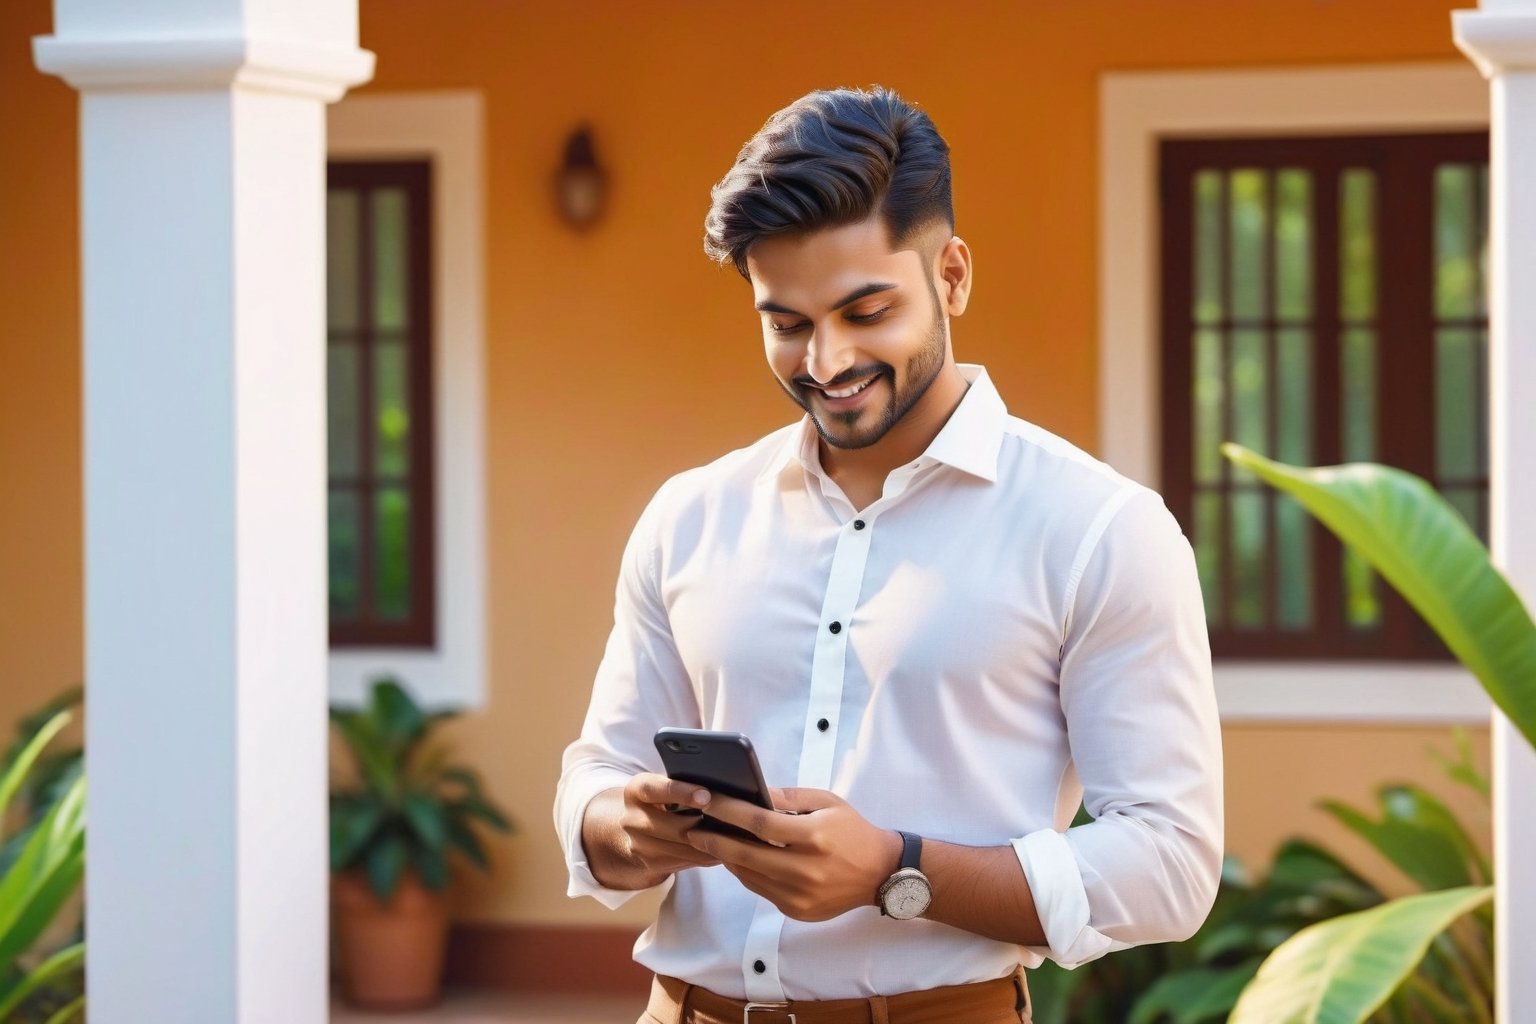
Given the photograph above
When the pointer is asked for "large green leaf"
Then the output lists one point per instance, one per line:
(1419, 835)
(1426, 857)
(1415, 539)
(1340, 970)
(1193, 996)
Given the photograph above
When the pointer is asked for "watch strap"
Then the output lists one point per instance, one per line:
(911, 850)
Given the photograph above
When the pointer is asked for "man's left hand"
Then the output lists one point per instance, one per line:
(826, 859)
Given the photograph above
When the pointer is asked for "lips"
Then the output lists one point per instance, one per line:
(851, 390)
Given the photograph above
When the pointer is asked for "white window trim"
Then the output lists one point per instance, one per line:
(445, 127)
(1136, 111)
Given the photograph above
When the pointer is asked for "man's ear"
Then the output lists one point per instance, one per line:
(954, 272)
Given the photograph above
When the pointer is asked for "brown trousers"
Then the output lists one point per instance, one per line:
(1000, 1001)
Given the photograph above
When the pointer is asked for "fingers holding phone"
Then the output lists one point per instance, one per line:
(722, 762)
(657, 838)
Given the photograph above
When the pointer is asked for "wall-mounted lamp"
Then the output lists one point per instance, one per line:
(581, 186)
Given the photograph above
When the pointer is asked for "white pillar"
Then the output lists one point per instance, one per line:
(1500, 38)
(202, 154)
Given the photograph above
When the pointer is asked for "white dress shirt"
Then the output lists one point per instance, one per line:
(1017, 627)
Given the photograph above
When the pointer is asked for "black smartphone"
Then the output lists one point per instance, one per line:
(721, 762)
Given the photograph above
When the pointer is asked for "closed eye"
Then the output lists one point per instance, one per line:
(855, 318)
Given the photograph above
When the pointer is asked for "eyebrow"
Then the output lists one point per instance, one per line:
(768, 306)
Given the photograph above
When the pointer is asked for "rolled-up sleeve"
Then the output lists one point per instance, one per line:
(1140, 708)
(640, 686)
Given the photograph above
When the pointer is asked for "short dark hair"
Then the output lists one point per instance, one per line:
(830, 158)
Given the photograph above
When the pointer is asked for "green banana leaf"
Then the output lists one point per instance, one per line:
(1416, 540)
(1418, 835)
(1341, 970)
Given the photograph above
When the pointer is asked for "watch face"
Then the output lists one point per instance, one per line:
(907, 897)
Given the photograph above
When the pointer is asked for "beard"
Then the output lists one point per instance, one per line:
(841, 429)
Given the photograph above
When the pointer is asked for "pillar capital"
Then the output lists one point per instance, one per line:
(319, 71)
(1499, 40)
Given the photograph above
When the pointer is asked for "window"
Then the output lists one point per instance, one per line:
(1322, 302)
(440, 129)
(1140, 109)
(379, 369)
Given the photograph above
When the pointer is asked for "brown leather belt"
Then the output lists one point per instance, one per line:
(983, 1002)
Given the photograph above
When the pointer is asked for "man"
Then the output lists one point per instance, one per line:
(940, 625)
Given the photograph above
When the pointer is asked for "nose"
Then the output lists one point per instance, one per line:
(827, 354)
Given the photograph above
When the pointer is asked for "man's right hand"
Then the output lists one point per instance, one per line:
(632, 841)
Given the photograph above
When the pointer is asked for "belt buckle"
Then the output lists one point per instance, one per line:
(746, 1015)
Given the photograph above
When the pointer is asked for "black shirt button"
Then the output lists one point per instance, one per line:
(836, 627)
(759, 966)
(823, 725)
(858, 524)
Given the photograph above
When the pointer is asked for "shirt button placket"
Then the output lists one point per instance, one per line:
(831, 658)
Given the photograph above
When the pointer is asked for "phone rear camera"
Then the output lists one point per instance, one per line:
(674, 745)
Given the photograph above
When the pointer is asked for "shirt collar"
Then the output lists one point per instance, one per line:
(973, 436)
(969, 441)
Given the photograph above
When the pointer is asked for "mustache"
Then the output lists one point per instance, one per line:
(843, 379)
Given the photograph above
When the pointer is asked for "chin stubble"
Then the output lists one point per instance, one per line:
(922, 370)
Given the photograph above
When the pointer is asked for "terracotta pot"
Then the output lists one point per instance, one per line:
(391, 954)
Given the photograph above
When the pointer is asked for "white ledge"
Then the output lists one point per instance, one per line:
(265, 65)
(1496, 43)
(1360, 692)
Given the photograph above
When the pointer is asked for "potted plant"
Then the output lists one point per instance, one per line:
(391, 836)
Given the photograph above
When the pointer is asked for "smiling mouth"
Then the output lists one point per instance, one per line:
(851, 390)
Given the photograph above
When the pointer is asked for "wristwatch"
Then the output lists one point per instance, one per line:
(906, 894)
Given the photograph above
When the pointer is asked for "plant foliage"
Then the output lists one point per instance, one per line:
(411, 809)
(41, 865)
(1198, 981)
(1349, 969)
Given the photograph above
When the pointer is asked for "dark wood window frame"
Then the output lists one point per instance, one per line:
(419, 628)
(1404, 433)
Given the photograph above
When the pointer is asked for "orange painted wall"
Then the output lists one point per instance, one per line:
(41, 595)
(619, 356)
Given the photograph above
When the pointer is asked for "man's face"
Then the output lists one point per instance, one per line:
(854, 332)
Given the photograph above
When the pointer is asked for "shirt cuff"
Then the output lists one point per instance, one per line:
(574, 798)
(1056, 885)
